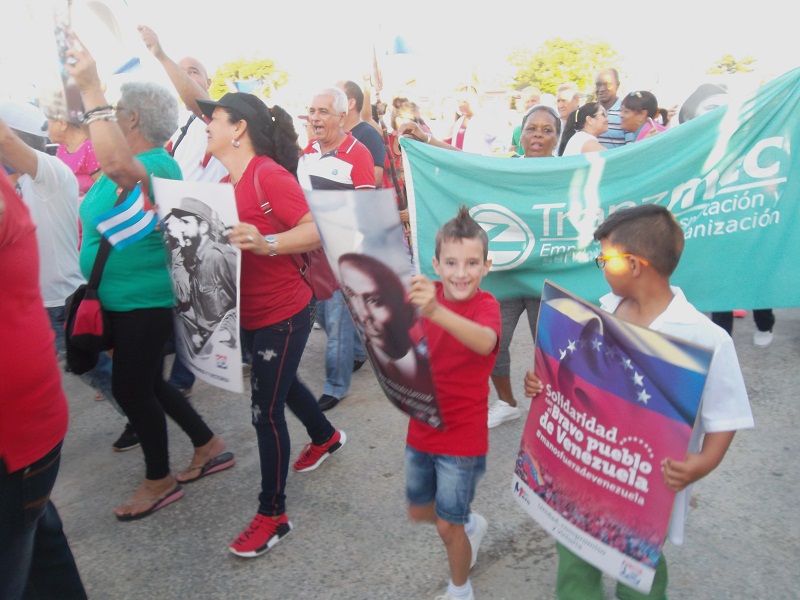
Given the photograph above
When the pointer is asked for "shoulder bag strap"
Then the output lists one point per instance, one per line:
(267, 209)
(103, 252)
(184, 131)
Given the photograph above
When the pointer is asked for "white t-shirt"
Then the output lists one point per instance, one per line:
(575, 144)
(480, 135)
(724, 405)
(191, 153)
(52, 198)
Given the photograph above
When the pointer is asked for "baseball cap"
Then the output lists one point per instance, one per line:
(24, 117)
(248, 106)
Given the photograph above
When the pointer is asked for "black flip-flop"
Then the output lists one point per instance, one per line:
(174, 494)
(212, 465)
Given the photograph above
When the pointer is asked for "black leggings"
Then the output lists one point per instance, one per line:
(137, 382)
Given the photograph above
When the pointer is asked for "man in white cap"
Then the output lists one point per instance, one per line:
(50, 190)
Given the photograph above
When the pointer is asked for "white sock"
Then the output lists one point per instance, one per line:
(462, 591)
(469, 526)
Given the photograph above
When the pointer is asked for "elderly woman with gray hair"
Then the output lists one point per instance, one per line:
(136, 288)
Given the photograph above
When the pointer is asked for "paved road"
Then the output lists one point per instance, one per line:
(352, 540)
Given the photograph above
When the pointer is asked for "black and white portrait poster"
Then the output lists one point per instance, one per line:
(365, 245)
(196, 218)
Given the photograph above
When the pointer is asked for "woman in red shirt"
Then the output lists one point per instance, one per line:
(258, 147)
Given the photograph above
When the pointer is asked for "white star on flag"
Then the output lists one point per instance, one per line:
(644, 397)
(638, 379)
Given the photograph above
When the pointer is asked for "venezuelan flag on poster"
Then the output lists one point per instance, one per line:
(618, 399)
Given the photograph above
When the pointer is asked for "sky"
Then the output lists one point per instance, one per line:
(666, 49)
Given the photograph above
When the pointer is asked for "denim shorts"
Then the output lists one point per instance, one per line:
(449, 481)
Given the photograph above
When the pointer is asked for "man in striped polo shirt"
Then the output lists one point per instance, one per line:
(606, 86)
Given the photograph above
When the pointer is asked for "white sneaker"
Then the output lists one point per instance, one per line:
(762, 339)
(448, 596)
(501, 411)
(475, 539)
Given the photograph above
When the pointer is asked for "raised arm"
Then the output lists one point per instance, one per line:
(188, 89)
(117, 159)
(15, 153)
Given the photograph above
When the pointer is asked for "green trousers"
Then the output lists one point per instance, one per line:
(578, 580)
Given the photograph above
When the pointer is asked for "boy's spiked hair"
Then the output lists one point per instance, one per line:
(463, 226)
(649, 231)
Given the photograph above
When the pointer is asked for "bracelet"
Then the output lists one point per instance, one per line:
(106, 116)
(430, 137)
(97, 109)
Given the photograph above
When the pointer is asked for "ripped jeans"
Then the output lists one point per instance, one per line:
(276, 351)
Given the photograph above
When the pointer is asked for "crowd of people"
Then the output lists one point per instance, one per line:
(240, 140)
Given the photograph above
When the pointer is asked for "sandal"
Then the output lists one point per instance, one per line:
(212, 465)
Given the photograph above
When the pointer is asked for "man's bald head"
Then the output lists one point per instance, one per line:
(195, 69)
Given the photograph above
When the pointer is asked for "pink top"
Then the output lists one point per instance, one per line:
(645, 129)
(82, 162)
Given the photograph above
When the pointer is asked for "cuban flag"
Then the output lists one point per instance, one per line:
(129, 222)
(618, 399)
(250, 86)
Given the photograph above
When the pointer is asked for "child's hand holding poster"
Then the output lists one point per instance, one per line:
(617, 400)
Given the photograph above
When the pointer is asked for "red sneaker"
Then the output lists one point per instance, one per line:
(261, 535)
(312, 456)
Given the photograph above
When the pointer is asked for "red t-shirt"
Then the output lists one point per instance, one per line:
(271, 288)
(33, 408)
(461, 377)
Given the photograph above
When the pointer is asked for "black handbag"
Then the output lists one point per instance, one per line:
(87, 329)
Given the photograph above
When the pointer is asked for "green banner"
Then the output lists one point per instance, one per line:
(729, 177)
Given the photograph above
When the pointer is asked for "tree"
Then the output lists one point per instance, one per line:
(727, 65)
(261, 70)
(559, 60)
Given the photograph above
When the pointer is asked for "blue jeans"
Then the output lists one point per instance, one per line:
(180, 376)
(276, 351)
(449, 481)
(100, 379)
(57, 318)
(35, 559)
(343, 344)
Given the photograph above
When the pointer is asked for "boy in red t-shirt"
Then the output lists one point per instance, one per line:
(462, 325)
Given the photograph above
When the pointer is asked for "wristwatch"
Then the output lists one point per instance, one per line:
(272, 242)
